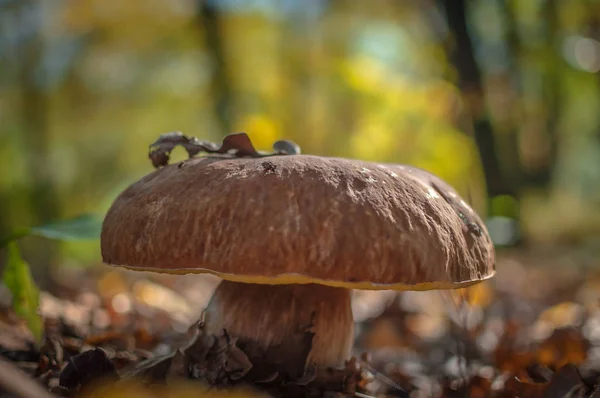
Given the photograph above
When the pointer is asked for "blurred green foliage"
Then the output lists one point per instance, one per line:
(82, 227)
(25, 293)
(17, 274)
(87, 85)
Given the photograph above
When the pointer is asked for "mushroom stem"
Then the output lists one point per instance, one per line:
(270, 314)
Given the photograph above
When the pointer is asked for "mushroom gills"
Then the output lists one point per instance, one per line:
(274, 316)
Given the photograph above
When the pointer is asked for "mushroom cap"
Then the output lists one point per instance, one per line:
(300, 219)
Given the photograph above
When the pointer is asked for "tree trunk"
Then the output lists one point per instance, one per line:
(469, 80)
(208, 21)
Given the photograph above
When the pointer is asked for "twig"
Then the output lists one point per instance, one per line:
(14, 381)
(383, 378)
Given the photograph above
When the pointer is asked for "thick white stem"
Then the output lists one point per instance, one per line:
(270, 314)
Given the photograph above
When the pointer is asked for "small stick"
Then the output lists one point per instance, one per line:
(383, 378)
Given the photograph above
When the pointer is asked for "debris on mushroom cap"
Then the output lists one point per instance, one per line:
(237, 144)
(251, 217)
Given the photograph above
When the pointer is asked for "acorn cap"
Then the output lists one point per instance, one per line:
(300, 219)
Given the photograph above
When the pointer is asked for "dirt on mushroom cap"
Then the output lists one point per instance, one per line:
(300, 219)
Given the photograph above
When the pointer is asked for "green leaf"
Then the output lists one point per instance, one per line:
(26, 295)
(84, 227)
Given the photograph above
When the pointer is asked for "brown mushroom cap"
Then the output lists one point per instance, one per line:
(300, 219)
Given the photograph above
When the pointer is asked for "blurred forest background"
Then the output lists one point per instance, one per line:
(500, 98)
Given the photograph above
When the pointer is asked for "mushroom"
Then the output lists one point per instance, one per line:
(292, 235)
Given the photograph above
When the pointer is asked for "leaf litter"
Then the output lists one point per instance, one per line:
(497, 339)
(533, 331)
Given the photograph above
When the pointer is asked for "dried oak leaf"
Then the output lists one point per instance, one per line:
(216, 359)
(240, 143)
(162, 147)
(87, 367)
(221, 360)
(160, 150)
(236, 144)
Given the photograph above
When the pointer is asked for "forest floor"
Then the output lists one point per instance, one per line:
(532, 331)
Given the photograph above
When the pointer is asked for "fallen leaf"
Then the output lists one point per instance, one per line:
(236, 144)
(87, 367)
(82, 227)
(566, 345)
(240, 143)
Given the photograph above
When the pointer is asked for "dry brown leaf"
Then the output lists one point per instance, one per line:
(567, 345)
